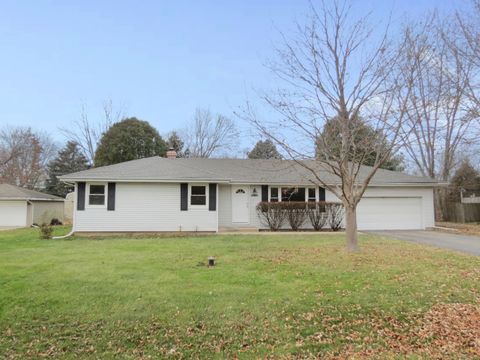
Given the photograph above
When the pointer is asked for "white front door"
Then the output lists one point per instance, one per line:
(240, 211)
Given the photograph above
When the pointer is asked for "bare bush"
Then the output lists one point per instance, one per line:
(317, 214)
(271, 214)
(295, 212)
(335, 215)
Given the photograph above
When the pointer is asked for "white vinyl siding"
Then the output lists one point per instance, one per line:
(156, 207)
(13, 213)
(145, 207)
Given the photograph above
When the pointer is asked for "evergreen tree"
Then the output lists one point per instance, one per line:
(264, 150)
(466, 176)
(364, 145)
(68, 160)
(466, 179)
(129, 139)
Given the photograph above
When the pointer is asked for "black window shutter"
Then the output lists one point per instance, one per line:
(81, 196)
(111, 196)
(212, 197)
(264, 192)
(184, 197)
(321, 194)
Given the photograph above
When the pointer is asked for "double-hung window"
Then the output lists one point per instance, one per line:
(311, 195)
(274, 194)
(198, 195)
(96, 195)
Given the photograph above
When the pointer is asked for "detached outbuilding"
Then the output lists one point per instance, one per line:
(21, 207)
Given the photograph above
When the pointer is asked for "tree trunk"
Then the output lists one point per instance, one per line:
(351, 228)
(440, 201)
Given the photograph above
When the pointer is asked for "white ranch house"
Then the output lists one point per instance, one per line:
(164, 195)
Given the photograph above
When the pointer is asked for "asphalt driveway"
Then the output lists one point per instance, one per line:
(464, 243)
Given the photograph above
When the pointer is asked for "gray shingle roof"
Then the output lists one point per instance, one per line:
(11, 192)
(247, 171)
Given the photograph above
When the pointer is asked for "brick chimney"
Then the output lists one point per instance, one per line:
(171, 153)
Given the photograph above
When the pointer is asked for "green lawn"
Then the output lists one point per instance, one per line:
(280, 296)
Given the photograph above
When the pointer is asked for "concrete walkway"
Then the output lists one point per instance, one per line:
(464, 243)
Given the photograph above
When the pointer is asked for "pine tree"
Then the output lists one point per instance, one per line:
(364, 145)
(466, 179)
(264, 150)
(70, 159)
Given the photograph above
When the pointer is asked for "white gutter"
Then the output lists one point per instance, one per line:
(174, 181)
(237, 182)
(6, 198)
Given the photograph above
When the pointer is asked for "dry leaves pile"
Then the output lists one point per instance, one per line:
(445, 331)
(453, 328)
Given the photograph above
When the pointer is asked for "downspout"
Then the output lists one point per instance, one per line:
(64, 236)
(73, 218)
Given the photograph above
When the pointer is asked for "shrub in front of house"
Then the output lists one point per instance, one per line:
(320, 213)
(335, 215)
(316, 212)
(271, 214)
(295, 213)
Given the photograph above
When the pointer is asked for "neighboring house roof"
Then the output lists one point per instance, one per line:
(11, 192)
(240, 171)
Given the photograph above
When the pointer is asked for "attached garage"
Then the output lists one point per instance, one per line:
(21, 207)
(390, 213)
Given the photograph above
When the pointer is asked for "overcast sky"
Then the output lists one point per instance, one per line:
(157, 60)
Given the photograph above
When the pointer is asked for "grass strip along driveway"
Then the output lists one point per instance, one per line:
(299, 296)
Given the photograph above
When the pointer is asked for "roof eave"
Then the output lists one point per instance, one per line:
(244, 182)
(7, 198)
(222, 181)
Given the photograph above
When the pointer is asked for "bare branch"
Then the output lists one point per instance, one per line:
(210, 135)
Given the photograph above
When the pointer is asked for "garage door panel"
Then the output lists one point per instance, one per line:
(389, 213)
(13, 213)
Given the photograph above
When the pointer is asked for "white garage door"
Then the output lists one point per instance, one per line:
(389, 213)
(13, 213)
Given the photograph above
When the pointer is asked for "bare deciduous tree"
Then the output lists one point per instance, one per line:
(440, 109)
(87, 133)
(337, 66)
(210, 135)
(28, 155)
